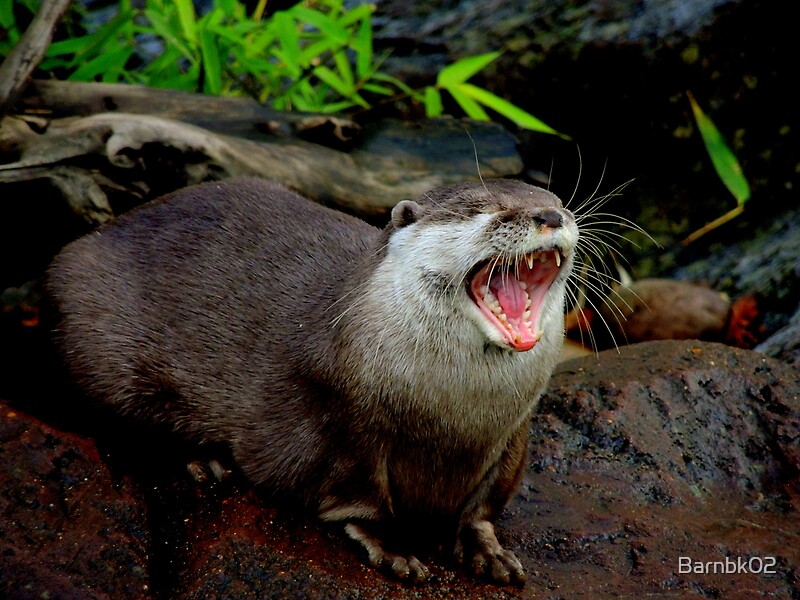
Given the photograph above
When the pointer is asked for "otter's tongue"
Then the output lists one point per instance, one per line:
(511, 296)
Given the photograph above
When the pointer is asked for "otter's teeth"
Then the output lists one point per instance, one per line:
(529, 259)
(493, 303)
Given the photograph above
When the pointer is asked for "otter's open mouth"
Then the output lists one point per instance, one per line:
(510, 294)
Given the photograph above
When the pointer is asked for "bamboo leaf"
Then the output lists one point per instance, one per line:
(507, 109)
(7, 14)
(344, 69)
(362, 44)
(358, 13)
(723, 159)
(391, 80)
(90, 44)
(108, 63)
(433, 102)
(463, 69)
(211, 62)
(326, 25)
(162, 28)
(186, 18)
(468, 105)
(375, 88)
(330, 78)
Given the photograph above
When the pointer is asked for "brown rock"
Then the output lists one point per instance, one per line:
(665, 450)
(68, 529)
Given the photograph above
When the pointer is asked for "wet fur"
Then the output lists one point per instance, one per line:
(341, 363)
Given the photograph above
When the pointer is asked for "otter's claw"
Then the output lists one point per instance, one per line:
(407, 568)
(503, 567)
(487, 557)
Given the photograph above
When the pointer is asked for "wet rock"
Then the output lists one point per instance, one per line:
(766, 265)
(784, 344)
(639, 458)
(69, 529)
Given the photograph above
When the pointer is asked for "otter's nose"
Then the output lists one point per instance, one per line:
(549, 218)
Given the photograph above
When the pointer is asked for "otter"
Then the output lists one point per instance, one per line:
(382, 377)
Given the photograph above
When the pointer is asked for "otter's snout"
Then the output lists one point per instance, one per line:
(548, 218)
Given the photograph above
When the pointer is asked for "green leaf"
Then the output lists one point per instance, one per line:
(433, 102)
(463, 69)
(211, 62)
(162, 28)
(186, 17)
(344, 69)
(231, 8)
(505, 108)
(90, 44)
(107, 63)
(7, 14)
(362, 44)
(334, 107)
(290, 48)
(402, 86)
(69, 46)
(375, 88)
(468, 105)
(725, 163)
(331, 79)
(326, 25)
(359, 13)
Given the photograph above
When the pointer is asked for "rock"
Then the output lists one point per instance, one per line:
(765, 264)
(661, 309)
(665, 450)
(69, 529)
(785, 343)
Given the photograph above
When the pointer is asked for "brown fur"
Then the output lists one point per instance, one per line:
(242, 313)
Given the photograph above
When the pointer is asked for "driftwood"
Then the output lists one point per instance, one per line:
(89, 138)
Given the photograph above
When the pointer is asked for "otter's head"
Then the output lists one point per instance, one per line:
(499, 253)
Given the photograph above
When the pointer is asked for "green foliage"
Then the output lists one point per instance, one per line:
(722, 157)
(316, 56)
(725, 164)
(472, 99)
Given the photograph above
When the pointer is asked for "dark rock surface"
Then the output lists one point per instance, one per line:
(666, 450)
(68, 528)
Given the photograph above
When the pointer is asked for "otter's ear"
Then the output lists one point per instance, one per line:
(405, 213)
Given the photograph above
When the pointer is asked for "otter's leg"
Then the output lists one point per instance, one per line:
(408, 568)
(476, 544)
(364, 505)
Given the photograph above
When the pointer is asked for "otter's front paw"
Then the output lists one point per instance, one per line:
(478, 549)
(407, 568)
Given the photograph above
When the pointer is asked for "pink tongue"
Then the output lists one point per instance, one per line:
(505, 288)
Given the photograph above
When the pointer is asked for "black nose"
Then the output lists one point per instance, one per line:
(548, 218)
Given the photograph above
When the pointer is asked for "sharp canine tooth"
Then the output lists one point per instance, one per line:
(558, 258)
(529, 259)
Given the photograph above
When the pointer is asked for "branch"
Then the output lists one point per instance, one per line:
(26, 55)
